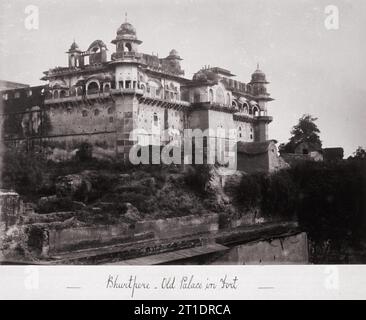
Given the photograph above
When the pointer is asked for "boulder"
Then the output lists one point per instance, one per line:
(72, 185)
(124, 178)
(54, 204)
(132, 212)
(43, 201)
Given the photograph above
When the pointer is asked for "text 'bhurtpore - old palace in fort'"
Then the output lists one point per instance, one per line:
(101, 102)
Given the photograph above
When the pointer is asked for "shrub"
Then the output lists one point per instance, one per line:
(23, 172)
(331, 201)
(197, 177)
(249, 192)
(279, 194)
(85, 152)
(56, 205)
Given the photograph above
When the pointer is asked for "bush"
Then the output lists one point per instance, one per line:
(56, 205)
(327, 198)
(331, 202)
(279, 194)
(197, 177)
(249, 193)
(85, 152)
(23, 172)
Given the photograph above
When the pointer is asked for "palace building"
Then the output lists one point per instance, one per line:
(101, 101)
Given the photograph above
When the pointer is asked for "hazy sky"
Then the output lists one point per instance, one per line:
(311, 69)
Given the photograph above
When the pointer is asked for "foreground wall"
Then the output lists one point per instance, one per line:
(283, 250)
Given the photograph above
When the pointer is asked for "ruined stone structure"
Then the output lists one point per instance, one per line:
(259, 157)
(101, 101)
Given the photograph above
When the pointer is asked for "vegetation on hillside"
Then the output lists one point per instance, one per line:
(328, 199)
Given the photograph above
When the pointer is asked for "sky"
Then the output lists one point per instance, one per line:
(312, 70)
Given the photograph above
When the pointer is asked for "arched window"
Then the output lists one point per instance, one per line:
(211, 96)
(111, 110)
(95, 50)
(107, 87)
(245, 108)
(197, 96)
(62, 94)
(228, 99)
(72, 61)
(128, 47)
(84, 113)
(220, 96)
(55, 94)
(255, 112)
(96, 112)
(142, 87)
(93, 87)
(156, 119)
(48, 95)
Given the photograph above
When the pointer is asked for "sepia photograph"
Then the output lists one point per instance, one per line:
(184, 132)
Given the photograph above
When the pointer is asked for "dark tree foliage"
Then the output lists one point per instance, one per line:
(250, 190)
(22, 172)
(85, 152)
(328, 199)
(279, 195)
(274, 194)
(198, 176)
(359, 154)
(331, 200)
(305, 131)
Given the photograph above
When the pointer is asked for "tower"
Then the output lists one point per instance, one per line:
(125, 62)
(75, 57)
(261, 96)
(173, 62)
(126, 41)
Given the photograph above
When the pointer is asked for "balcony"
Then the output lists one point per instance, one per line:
(126, 56)
(73, 98)
(127, 91)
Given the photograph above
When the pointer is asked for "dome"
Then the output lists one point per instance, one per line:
(126, 32)
(126, 29)
(173, 52)
(259, 76)
(74, 47)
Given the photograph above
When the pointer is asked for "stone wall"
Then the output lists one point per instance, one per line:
(11, 208)
(81, 118)
(179, 227)
(78, 238)
(291, 249)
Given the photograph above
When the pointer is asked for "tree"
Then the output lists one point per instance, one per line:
(360, 153)
(305, 131)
